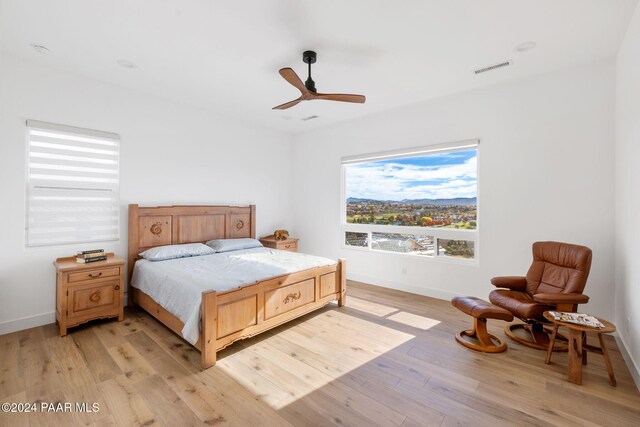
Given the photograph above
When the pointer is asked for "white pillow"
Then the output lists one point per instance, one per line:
(226, 245)
(160, 253)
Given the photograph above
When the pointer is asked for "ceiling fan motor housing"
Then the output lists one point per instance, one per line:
(309, 57)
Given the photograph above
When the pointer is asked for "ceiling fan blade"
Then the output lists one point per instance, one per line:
(288, 104)
(291, 76)
(342, 97)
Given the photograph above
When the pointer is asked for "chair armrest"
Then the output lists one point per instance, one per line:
(516, 283)
(561, 298)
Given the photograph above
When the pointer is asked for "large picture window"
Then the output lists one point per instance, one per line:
(72, 185)
(420, 202)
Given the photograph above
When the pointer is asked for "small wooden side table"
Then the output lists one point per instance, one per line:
(578, 346)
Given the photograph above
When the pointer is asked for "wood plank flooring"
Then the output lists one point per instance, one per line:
(388, 358)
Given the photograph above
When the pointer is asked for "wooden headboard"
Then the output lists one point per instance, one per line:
(172, 225)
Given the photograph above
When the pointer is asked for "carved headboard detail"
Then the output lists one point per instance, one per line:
(171, 225)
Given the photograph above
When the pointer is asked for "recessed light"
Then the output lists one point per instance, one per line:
(125, 63)
(523, 47)
(39, 48)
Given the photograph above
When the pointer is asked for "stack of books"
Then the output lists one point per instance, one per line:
(85, 257)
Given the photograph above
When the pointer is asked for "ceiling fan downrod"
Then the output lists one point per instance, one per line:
(309, 57)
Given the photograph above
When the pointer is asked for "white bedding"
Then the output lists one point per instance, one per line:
(177, 284)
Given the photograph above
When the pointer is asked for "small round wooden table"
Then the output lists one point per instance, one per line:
(578, 346)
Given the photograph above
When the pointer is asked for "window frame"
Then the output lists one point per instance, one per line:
(437, 233)
(78, 132)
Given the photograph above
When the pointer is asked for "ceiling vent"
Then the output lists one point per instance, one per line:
(493, 67)
(309, 118)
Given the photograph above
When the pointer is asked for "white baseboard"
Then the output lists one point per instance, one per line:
(428, 292)
(634, 368)
(27, 322)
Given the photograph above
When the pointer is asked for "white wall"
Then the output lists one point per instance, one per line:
(170, 153)
(545, 173)
(627, 183)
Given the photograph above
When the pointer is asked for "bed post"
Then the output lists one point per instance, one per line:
(209, 328)
(253, 221)
(342, 301)
(133, 250)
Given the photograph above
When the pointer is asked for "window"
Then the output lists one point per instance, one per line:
(72, 185)
(420, 202)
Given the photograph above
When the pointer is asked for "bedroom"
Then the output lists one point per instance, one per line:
(188, 88)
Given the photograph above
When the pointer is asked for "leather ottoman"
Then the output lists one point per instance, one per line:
(481, 310)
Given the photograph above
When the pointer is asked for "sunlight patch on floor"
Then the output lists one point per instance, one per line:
(371, 307)
(309, 356)
(414, 320)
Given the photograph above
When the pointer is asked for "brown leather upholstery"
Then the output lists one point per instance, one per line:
(480, 309)
(521, 304)
(561, 298)
(557, 275)
(558, 268)
(517, 283)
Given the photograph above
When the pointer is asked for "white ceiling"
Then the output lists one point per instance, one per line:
(225, 55)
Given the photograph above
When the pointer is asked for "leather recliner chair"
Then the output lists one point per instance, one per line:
(555, 281)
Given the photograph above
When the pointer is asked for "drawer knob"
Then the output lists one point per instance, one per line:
(93, 276)
(117, 287)
(287, 246)
(292, 297)
(95, 297)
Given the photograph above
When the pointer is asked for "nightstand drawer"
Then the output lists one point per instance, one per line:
(101, 296)
(93, 274)
(289, 246)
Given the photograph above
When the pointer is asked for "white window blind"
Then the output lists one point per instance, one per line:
(72, 185)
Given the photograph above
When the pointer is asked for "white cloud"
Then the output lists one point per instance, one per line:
(396, 181)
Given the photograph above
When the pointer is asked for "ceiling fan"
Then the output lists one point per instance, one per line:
(308, 89)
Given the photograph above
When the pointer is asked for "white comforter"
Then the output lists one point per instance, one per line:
(177, 284)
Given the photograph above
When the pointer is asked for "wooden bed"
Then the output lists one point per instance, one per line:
(232, 315)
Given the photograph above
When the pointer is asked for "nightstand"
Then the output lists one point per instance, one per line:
(290, 244)
(87, 292)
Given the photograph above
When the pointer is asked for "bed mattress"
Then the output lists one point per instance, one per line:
(177, 284)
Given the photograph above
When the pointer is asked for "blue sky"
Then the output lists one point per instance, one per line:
(435, 176)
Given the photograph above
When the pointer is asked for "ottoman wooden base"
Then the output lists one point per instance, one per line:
(481, 340)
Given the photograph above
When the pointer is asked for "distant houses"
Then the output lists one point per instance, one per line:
(405, 214)
(356, 239)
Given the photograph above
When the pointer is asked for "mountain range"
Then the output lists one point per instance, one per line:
(460, 201)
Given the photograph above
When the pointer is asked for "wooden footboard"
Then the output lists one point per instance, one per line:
(234, 315)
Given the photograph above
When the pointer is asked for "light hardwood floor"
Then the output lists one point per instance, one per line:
(390, 359)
